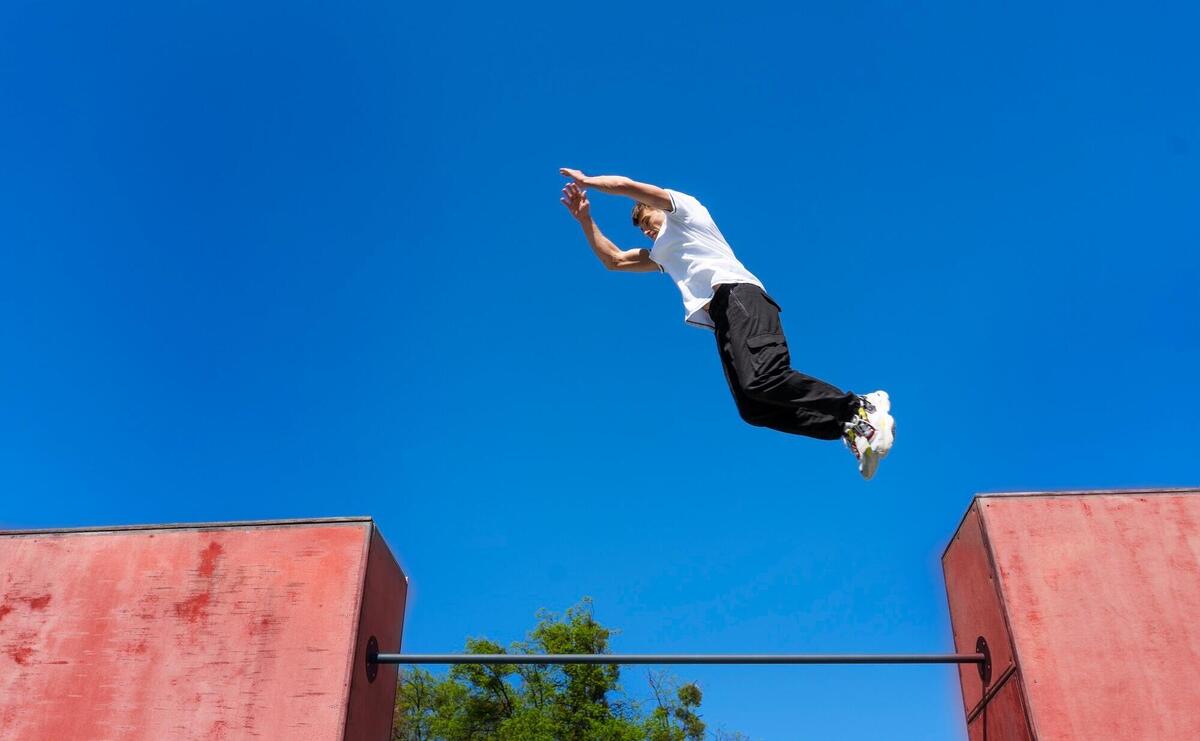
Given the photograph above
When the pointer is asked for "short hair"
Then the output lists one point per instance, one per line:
(639, 210)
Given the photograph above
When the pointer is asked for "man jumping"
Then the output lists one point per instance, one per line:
(721, 295)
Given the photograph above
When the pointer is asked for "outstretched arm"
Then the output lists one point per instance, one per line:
(613, 257)
(619, 185)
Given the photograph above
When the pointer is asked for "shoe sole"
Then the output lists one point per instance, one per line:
(885, 432)
(869, 464)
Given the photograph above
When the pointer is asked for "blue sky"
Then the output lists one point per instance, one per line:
(304, 259)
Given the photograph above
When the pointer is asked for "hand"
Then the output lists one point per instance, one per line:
(576, 201)
(576, 175)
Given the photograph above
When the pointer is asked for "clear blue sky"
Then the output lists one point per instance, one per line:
(271, 260)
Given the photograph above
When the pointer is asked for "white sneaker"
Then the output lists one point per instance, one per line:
(878, 406)
(857, 439)
(871, 433)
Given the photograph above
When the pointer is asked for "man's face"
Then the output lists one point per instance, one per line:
(651, 222)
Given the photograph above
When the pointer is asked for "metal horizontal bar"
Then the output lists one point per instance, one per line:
(542, 659)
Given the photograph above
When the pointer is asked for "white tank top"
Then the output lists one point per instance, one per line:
(691, 249)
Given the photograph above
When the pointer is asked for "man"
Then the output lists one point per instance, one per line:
(719, 293)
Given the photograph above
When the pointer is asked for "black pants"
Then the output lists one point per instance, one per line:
(758, 367)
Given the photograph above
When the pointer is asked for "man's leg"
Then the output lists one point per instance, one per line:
(757, 413)
(757, 363)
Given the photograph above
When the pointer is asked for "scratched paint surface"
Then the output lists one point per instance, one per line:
(1102, 594)
(234, 633)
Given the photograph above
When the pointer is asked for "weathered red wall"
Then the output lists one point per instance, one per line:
(196, 632)
(1090, 603)
(369, 714)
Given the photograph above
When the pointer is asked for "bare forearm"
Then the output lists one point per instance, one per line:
(619, 185)
(614, 184)
(605, 250)
(612, 257)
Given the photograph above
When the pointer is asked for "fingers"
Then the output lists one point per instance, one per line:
(575, 200)
(572, 198)
(572, 191)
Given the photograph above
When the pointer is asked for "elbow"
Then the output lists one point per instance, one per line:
(617, 261)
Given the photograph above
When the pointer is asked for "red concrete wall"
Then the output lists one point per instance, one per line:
(194, 632)
(1002, 717)
(1098, 602)
(975, 605)
(369, 714)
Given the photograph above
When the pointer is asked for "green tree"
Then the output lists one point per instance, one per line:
(579, 702)
(674, 717)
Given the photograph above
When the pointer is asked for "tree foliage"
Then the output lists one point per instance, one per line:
(580, 702)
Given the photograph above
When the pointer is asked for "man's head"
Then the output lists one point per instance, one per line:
(649, 220)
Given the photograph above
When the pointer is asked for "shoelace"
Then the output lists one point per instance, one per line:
(855, 429)
(859, 426)
(862, 427)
